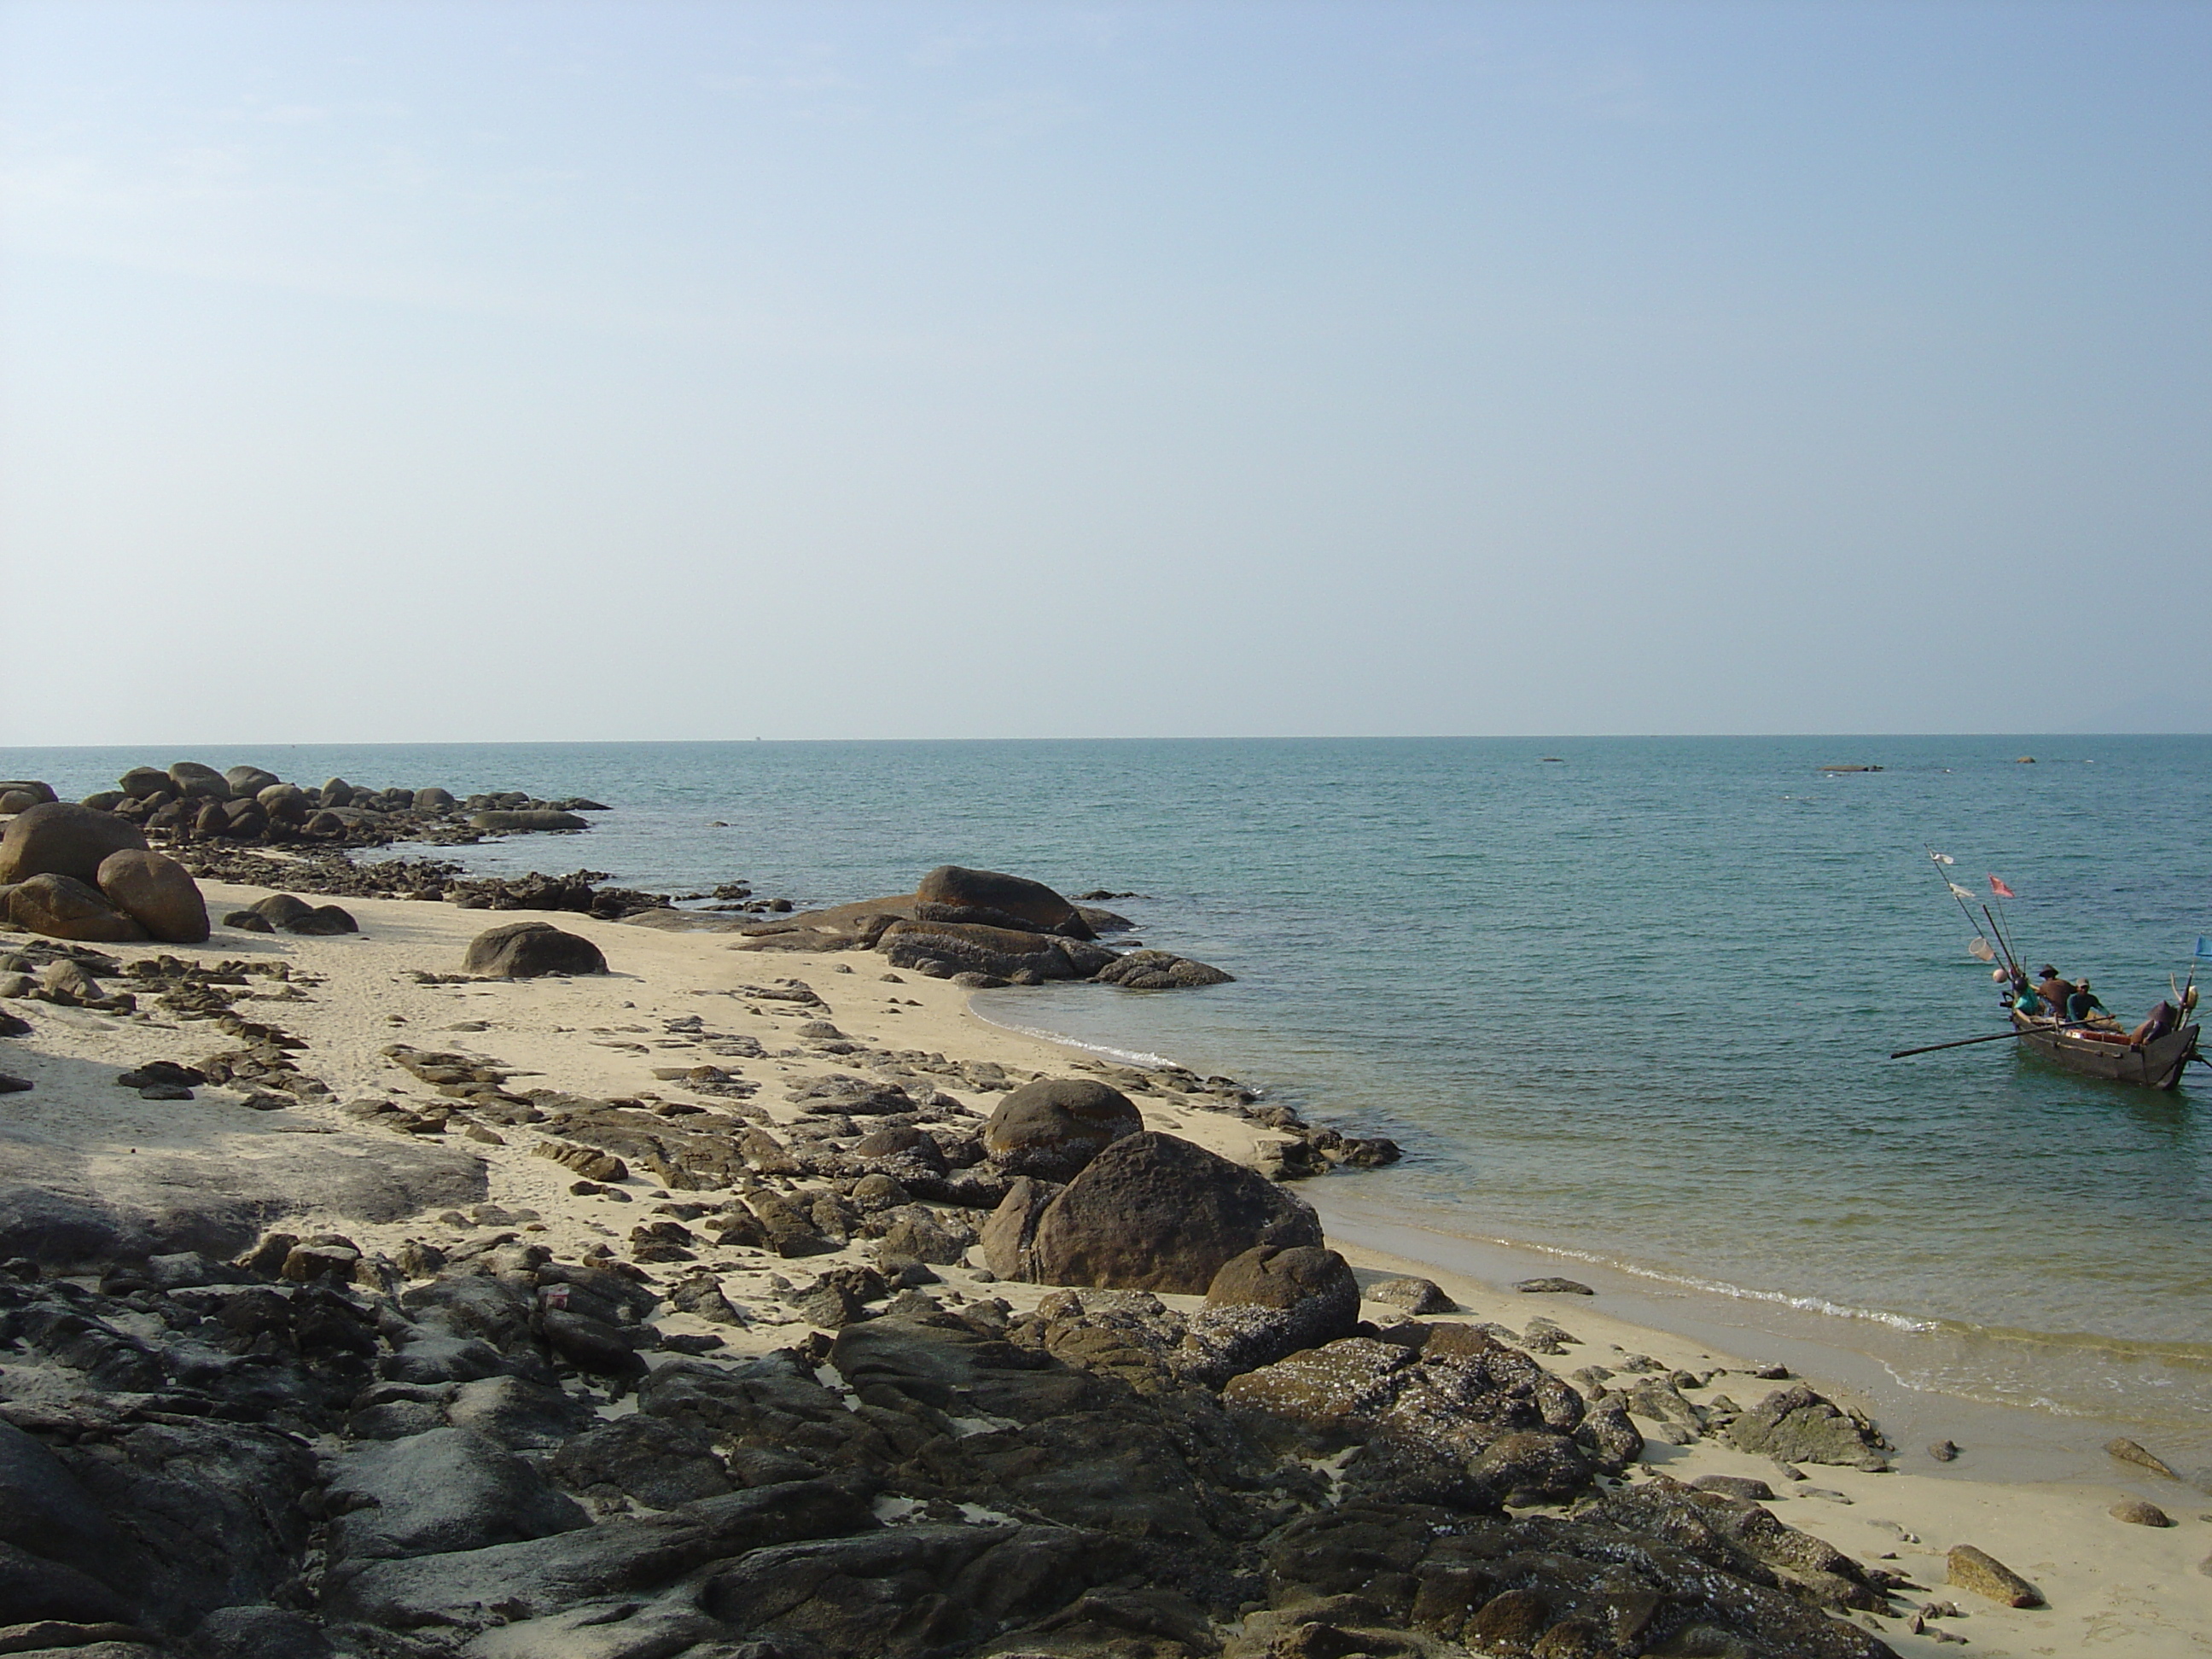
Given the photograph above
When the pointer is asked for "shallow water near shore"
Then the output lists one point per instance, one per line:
(1629, 1007)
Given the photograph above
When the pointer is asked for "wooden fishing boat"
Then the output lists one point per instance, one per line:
(2095, 1052)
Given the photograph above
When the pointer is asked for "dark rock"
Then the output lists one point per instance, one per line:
(1736, 1486)
(450, 1489)
(528, 949)
(517, 1413)
(283, 910)
(1943, 1451)
(191, 780)
(473, 1589)
(951, 893)
(248, 921)
(2127, 1451)
(1155, 1213)
(659, 1463)
(60, 838)
(1554, 1286)
(1052, 1127)
(1004, 952)
(327, 920)
(591, 1344)
(245, 781)
(38, 792)
(1796, 1425)
(62, 907)
(1011, 1232)
(262, 1633)
(1159, 970)
(50, 1524)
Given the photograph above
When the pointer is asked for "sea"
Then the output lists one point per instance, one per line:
(1627, 1003)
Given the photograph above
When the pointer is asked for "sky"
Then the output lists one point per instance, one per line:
(426, 370)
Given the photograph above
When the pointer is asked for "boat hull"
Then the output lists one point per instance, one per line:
(2155, 1065)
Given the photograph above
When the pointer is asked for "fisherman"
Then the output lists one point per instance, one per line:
(2057, 994)
(2025, 1002)
(2083, 1004)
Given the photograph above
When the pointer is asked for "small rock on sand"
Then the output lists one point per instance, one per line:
(1413, 1296)
(2138, 1513)
(1983, 1573)
(1550, 1287)
(1943, 1451)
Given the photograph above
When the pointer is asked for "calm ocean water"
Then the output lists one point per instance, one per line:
(1632, 1003)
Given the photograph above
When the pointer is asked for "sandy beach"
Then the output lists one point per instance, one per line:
(671, 1000)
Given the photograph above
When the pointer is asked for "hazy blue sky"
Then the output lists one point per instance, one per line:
(445, 371)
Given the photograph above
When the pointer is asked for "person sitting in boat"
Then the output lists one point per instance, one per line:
(2025, 1002)
(2082, 1007)
(2057, 993)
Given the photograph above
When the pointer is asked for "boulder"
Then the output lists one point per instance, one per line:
(951, 893)
(1154, 1213)
(190, 779)
(434, 799)
(141, 783)
(660, 1463)
(450, 1489)
(1265, 1305)
(60, 838)
(16, 800)
(1159, 970)
(247, 782)
(1977, 1571)
(1003, 952)
(62, 906)
(1052, 1127)
(1796, 1425)
(38, 792)
(158, 893)
(1413, 1296)
(529, 949)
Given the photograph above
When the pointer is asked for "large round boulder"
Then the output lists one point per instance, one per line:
(62, 906)
(192, 778)
(1155, 1213)
(952, 893)
(1052, 1127)
(60, 838)
(158, 893)
(247, 782)
(527, 950)
(36, 789)
(142, 781)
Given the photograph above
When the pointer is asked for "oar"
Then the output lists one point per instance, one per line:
(2000, 1036)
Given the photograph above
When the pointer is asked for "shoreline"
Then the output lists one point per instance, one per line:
(2016, 1441)
(2109, 1584)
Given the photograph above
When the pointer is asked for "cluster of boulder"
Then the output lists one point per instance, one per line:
(78, 873)
(473, 1449)
(191, 801)
(979, 928)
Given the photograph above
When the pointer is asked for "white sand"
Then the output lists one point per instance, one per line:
(2113, 1588)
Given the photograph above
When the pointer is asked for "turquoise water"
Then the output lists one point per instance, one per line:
(1633, 1004)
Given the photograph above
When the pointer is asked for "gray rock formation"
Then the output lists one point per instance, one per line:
(531, 950)
(1052, 1127)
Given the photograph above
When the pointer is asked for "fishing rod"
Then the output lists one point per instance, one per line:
(1999, 1037)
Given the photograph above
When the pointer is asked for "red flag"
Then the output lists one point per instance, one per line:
(2001, 890)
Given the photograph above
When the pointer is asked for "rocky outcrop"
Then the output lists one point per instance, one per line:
(531, 950)
(1155, 1213)
(989, 899)
(1796, 1425)
(1159, 970)
(60, 838)
(951, 947)
(1053, 1128)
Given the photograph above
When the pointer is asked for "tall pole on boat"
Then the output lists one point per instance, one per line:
(1960, 896)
